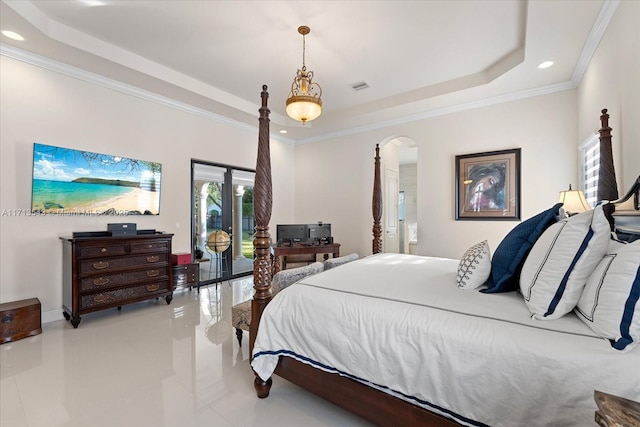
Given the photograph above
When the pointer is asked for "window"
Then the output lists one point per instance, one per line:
(590, 169)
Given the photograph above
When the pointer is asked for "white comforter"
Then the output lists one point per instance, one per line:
(399, 323)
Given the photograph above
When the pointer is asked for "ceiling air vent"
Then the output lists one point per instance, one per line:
(359, 86)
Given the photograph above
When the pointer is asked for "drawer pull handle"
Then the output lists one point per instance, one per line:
(100, 265)
(103, 250)
(101, 298)
(153, 258)
(7, 318)
(152, 288)
(153, 273)
(101, 281)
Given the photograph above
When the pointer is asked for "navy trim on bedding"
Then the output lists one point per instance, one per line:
(330, 369)
(627, 316)
(563, 284)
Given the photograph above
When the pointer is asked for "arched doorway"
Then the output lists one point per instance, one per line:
(399, 174)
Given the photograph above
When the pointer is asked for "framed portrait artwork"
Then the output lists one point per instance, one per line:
(488, 185)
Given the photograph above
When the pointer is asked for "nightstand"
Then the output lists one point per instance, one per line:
(186, 275)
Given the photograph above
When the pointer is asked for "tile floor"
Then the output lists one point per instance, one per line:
(153, 365)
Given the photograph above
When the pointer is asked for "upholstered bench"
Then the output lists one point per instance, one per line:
(336, 262)
(241, 313)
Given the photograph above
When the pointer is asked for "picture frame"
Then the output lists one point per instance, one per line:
(488, 186)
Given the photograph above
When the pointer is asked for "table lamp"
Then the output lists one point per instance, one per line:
(574, 201)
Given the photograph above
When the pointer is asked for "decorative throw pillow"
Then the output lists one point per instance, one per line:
(474, 267)
(559, 264)
(512, 251)
(609, 301)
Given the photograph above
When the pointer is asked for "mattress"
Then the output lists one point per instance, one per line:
(399, 323)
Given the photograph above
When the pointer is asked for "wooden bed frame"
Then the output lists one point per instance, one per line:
(369, 403)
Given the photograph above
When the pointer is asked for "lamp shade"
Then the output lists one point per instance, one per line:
(574, 201)
(304, 108)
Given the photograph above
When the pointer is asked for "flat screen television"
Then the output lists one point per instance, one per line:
(291, 233)
(75, 182)
(319, 231)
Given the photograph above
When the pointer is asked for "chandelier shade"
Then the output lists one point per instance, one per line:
(304, 102)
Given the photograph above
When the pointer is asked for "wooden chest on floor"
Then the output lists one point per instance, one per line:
(20, 319)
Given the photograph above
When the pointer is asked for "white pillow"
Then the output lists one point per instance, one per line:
(560, 262)
(474, 267)
(609, 302)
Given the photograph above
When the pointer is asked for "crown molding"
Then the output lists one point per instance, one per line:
(545, 90)
(98, 80)
(607, 11)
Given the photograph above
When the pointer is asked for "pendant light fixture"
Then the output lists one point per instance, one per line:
(304, 102)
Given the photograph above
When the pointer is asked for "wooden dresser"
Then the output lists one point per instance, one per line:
(101, 272)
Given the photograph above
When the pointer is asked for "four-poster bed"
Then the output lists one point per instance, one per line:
(377, 396)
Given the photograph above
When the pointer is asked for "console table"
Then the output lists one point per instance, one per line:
(110, 271)
(303, 249)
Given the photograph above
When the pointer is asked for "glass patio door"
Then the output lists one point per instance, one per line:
(222, 221)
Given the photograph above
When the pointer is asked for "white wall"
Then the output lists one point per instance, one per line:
(612, 81)
(544, 127)
(38, 105)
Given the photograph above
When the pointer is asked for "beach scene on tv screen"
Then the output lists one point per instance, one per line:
(68, 181)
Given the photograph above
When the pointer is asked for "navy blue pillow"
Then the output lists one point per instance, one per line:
(509, 257)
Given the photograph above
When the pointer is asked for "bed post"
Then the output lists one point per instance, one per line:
(377, 205)
(262, 203)
(607, 187)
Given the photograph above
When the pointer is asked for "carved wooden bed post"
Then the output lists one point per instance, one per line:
(377, 205)
(607, 187)
(262, 203)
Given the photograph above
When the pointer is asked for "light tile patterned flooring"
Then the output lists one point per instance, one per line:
(151, 364)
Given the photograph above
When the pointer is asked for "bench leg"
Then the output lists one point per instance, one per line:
(239, 336)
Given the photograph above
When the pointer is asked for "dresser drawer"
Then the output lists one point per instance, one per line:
(124, 295)
(111, 264)
(20, 319)
(142, 247)
(102, 250)
(104, 281)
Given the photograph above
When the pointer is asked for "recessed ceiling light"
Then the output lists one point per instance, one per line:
(13, 35)
(93, 2)
(283, 131)
(545, 64)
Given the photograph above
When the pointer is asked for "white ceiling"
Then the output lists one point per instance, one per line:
(420, 58)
